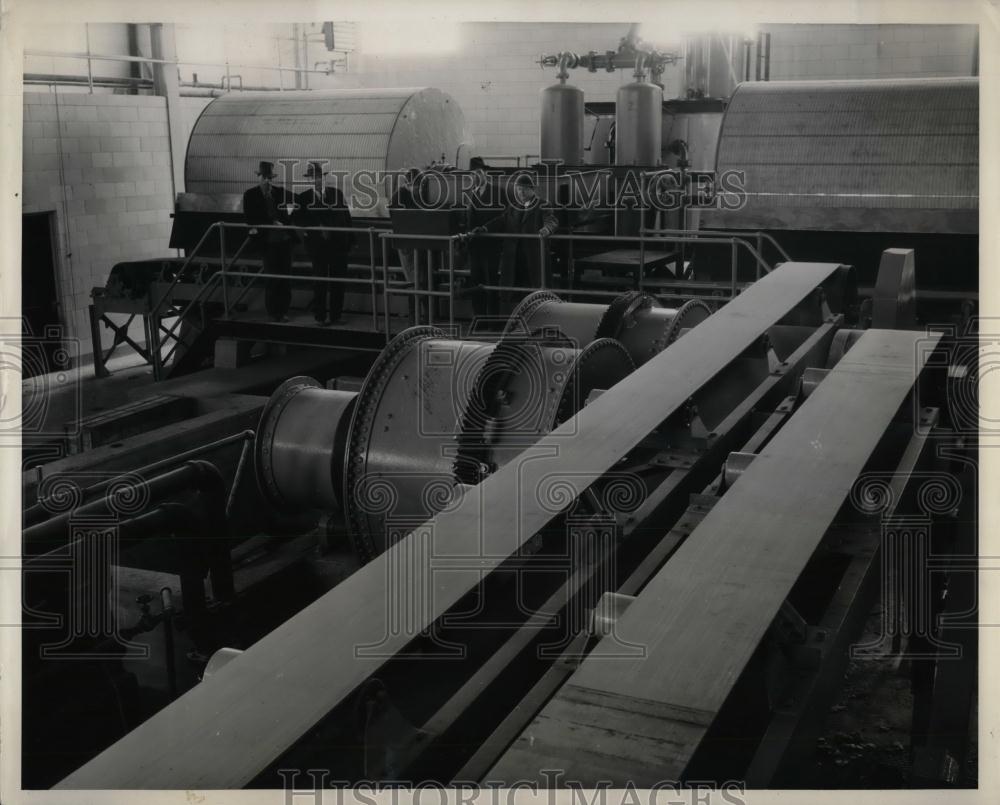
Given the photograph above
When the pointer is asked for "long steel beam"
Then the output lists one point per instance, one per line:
(637, 720)
(222, 733)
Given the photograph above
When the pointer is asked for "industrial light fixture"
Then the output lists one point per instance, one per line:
(406, 37)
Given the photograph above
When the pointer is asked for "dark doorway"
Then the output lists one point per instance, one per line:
(39, 297)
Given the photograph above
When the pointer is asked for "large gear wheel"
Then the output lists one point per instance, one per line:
(360, 433)
(690, 314)
(526, 388)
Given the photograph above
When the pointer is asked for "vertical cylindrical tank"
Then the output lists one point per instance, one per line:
(638, 124)
(561, 135)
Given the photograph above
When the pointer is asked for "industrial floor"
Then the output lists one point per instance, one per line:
(865, 742)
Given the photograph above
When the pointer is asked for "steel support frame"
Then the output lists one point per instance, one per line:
(550, 682)
(626, 720)
(217, 730)
(805, 703)
(729, 434)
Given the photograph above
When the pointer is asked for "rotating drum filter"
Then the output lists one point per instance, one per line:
(422, 405)
(637, 320)
(300, 443)
(526, 388)
(398, 464)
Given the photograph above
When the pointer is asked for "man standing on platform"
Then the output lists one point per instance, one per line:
(269, 205)
(483, 214)
(325, 206)
(523, 261)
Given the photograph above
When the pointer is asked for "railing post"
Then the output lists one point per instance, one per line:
(760, 251)
(154, 346)
(385, 286)
(371, 265)
(541, 257)
(429, 288)
(733, 260)
(90, 64)
(642, 258)
(222, 269)
(451, 283)
(571, 265)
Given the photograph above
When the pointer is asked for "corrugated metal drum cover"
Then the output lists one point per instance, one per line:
(366, 129)
(874, 155)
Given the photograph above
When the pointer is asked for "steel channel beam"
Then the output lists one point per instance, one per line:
(676, 483)
(637, 721)
(791, 730)
(226, 730)
(487, 754)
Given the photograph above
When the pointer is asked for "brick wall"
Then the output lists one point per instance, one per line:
(102, 163)
(871, 51)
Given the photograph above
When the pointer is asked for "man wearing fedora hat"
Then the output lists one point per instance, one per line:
(325, 206)
(267, 204)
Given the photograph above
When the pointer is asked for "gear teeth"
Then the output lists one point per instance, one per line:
(692, 312)
(525, 310)
(621, 307)
(360, 430)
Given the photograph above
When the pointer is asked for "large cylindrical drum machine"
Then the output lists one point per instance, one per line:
(433, 415)
(636, 320)
(350, 130)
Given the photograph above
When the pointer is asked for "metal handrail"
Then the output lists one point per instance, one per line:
(681, 236)
(202, 291)
(184, 265)
(734, 239)
(691, 237)
(224, 272)
(150, 60)
(429, 293)
(370, 231)
(759, 235)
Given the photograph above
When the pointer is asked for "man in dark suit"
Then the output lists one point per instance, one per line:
(484, 213)
(521, 261)
(325, 206)
(265, 205)
(405, 198)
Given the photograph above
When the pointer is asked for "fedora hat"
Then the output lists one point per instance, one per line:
(266, 169)
(314, 169)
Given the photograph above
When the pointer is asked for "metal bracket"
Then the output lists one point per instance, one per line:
(810, 379)
(789, 627)
(802, 643)
(698, 428)
(605, 615)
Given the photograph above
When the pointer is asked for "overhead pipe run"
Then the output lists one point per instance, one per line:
(610, 60)
(116, 82)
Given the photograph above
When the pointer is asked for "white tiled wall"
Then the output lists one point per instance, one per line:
(871, 51)
(496, 80)
(102, 163)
